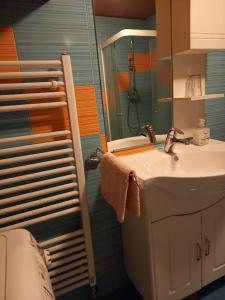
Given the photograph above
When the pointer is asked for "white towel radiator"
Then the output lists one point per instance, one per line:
(44, 180)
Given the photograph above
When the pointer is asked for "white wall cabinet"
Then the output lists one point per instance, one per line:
(164, 30)
(198, 26)
(171, 258)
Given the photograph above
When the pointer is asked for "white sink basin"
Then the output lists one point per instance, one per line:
(199, 172)
(194, 161)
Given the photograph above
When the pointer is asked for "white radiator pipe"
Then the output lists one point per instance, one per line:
(21, 107)
(66, 244)
(38, 211)
(61, 238)
(43, 192)
(39, 202)
(31, 96)
(40, 219)
(34, 147)
(73, 264)
(33, 136)
(41, 74)
(66, 252)
(45, 164)
(38, 184)
(65, 260)
(69, 274)
(75, 135)
(30, 63)
(56, 272)
(31, 85)
(32, 157)
(42, 174)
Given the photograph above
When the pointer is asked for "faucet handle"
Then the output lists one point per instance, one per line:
(150, 133)
(147, 126)
(174, 131)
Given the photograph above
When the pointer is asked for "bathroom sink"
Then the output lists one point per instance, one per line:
(199, 172)
(193, 161)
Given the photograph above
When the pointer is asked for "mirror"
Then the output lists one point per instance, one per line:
(136, 78)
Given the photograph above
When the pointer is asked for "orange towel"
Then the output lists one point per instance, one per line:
(119, 186)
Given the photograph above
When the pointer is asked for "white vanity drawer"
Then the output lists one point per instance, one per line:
(166, 198)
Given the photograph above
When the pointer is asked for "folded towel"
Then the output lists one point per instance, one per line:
(119, 186)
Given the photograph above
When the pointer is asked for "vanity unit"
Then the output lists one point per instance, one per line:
(177, 246)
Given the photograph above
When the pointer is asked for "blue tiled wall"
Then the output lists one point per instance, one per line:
(215, 83)
(43, 30)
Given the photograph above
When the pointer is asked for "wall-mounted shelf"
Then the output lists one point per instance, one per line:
(204, 97)
(196, 98)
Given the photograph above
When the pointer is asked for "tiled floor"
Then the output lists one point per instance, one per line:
(128, 293)
(214, 291)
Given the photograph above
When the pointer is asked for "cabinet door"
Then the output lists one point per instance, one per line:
(177, 256)
(213, 241)
(207, 17)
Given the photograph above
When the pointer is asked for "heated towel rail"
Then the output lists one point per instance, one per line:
(42, 174)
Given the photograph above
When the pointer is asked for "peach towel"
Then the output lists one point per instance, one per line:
(118, 188)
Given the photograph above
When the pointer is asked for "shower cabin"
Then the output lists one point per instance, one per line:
(131, 85)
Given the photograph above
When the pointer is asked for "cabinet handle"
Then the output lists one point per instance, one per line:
(207, 247)
(198, 252)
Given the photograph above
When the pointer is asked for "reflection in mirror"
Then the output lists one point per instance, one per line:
(127, 82)
(135, 81)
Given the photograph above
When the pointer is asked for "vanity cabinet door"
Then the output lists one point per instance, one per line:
(213, 241)
(177, 256)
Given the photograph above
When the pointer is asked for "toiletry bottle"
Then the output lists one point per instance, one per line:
(201, 134)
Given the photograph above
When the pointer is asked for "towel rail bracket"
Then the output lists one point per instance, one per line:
(95, 158)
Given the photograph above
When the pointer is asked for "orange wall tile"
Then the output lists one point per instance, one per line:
(134, 150)
(103, 142)
(142, 62)
(8, 50)
(123, 81)
(87, 110)
(57, 119)
(48, 120)
(7, 44)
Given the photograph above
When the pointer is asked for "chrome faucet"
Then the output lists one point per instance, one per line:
(149, 132)
(171, 140)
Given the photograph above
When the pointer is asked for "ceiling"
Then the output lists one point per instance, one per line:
(133, 9)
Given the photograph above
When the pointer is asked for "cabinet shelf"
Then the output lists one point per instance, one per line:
(194, 98)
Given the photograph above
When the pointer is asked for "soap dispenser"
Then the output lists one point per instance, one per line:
(201, 134)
